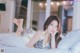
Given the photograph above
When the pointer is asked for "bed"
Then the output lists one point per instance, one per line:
(10, 43)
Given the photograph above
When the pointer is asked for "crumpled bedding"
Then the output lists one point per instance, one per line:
(69, 44)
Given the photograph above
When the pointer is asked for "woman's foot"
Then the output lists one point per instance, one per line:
(19, 23)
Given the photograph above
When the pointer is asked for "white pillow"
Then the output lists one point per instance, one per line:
(76, 48)
(69, 40)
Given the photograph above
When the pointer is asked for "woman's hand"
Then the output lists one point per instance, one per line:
(53, 34)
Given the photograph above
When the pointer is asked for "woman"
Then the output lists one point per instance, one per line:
(48, 38)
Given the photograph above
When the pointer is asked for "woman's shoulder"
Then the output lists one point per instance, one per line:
(40, 32)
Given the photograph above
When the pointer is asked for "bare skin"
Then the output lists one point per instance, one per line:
(49, 31)
(39, 34)
(19, 23)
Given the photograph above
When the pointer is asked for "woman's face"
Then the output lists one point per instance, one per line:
(53, 27)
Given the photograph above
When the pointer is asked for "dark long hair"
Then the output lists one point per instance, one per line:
(48, 21)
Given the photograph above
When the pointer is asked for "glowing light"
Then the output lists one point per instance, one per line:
(45, 4)
(58, 3)
(52, 3)
(64, 2)
(40, 4)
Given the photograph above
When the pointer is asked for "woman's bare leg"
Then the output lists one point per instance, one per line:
(19, 23)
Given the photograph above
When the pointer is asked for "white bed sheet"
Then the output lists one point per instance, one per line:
(12, 40)
(8, 49)
(13, 44)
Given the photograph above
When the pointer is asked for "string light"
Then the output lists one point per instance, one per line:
(41, 4)
(45, 4)
(64, 2)
(58, 3)
(52, 3)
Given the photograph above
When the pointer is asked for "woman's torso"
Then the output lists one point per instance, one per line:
(40, 43)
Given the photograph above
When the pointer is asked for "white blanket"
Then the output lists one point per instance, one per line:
(9, 49)
(13, 44)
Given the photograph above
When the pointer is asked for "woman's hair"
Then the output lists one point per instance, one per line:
(48, 21)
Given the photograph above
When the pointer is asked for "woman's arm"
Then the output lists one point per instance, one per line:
(53, 42)
(34, 39)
